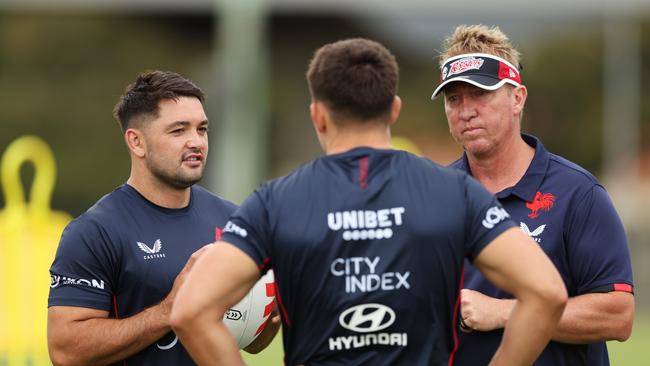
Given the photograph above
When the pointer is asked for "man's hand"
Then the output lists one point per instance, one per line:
(270, 330)
(168, 301)
(203, 333)
(481, 312)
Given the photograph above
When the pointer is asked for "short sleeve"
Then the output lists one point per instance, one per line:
(81, 274)
(599, 258)
(248, 228)
(486, 218)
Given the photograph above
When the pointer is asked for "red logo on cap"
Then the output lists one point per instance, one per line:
(464, 64)
(506, 72)
(541, 201)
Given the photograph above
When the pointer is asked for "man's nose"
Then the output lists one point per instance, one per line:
(467, 109)
(196, 139)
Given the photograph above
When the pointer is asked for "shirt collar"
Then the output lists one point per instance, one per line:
(532, 179)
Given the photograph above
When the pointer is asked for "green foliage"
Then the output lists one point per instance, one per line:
(565, 95)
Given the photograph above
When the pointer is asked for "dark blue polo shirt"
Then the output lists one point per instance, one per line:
(124, 254)
(564, 209)
(367, 249)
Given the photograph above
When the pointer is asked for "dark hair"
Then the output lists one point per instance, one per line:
(142, 97)
(355, 78)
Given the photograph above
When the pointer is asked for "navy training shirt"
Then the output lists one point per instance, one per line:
(124, 254)
(564, 209)
(367, 249)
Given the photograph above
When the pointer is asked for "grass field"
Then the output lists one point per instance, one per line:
(634, 352)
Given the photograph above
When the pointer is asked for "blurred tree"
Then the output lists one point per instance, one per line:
(62, 75)
(564, 107)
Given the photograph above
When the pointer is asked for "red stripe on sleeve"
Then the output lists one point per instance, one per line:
(623, 287)
(217, 234)
(264, 263)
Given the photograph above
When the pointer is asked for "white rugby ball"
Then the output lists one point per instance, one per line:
(247, 319)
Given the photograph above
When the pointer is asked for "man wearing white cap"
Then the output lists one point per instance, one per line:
(559, 204)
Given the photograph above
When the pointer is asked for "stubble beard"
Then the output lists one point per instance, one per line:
(478, 147)
(176, 179)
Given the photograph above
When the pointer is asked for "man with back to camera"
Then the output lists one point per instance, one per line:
(119, 265)
(366, 243)
(559, 204)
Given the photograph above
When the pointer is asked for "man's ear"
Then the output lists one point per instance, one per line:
(520, 93)
(395, 108)
(135, 142)
(318, 115)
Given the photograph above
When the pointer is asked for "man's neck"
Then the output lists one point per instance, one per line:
(358, 136)
(503, 168)
(159, 193)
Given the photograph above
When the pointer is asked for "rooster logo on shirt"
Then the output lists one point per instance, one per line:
(157, 245)
(541, 201)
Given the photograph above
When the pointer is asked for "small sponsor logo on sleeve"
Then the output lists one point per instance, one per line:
(56, 281)
(231, 227)
(493, 216)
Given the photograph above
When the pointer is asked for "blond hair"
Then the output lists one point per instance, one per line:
(479, 39)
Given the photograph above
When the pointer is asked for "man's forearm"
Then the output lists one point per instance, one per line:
(102, 341)
(591, 318)
(209, 342)
(527, 333)
(596, 317)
